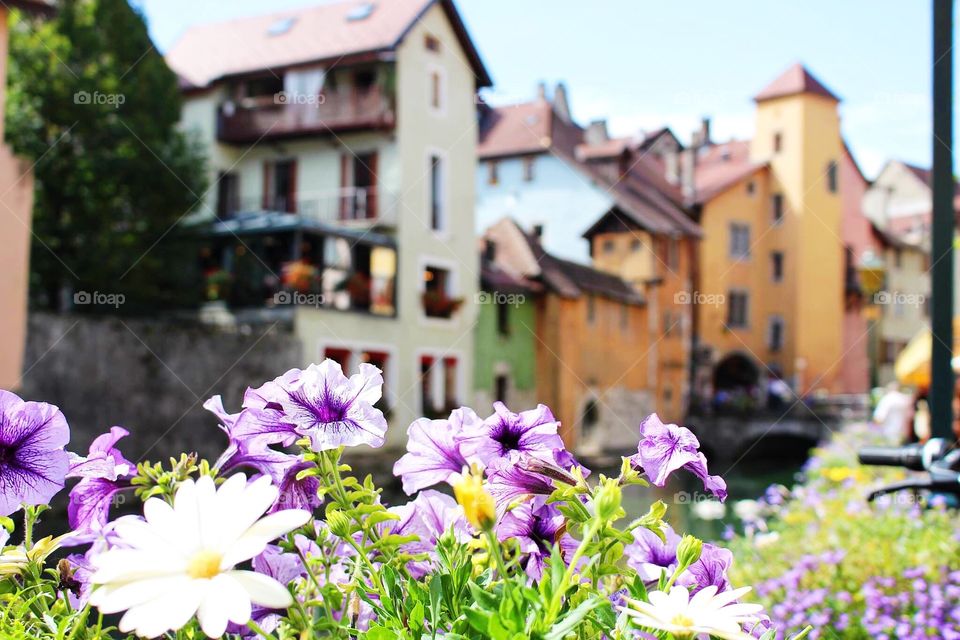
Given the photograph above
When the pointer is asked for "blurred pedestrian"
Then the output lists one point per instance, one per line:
(893, 412)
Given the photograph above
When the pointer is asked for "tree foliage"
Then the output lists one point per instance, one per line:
(95, 106)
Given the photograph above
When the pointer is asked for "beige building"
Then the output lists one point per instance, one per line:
(16, 212)
(342, 140)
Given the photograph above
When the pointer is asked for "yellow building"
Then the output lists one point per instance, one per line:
(771, 266)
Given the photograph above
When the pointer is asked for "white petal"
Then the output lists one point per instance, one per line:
(235, 596)
(170, 612)
(187, 513)
(125, 565)
(225, 601)
(265, 530)
(122, 596)
(263, 590)
(251, 504)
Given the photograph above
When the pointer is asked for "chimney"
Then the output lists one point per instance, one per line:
(489, 251)
(596, 132)
(541, 91)
(560, 105)
(688, 164)
(705, 131)
(538, 231)
(671, 164)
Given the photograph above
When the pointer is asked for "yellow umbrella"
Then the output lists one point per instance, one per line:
(912, 366)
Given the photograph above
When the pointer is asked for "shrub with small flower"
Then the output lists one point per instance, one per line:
(820, 554)
(276, 539)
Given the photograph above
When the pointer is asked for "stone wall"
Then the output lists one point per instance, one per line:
(150, 376)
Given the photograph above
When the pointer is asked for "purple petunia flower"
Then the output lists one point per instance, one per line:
(434, 450)
(429, 516)
(504, 434)
(650, 556)
(710, 570)
(664, 448)
(536, 530)
(510, 481)
(319, 403)
(103, 474)
(33, 463)
(294, 493)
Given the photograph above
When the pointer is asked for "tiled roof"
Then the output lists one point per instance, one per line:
(572, 279)
(796, 79)
(326, 32)
(493, 278)
(720, 166)
(516, 129)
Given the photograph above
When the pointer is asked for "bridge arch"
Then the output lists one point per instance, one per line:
(735, 370)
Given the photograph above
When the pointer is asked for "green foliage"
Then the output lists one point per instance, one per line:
(94, 106)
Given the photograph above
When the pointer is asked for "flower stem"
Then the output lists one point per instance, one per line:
(27, 528)
(557, 600)
(494, 548)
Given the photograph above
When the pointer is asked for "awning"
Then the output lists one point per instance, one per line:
(912, 366)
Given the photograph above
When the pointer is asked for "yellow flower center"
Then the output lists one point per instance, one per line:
(204, 564)
(681, 620)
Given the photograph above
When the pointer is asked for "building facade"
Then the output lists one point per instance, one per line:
(589, 337)
(772, 267)
(342, 141)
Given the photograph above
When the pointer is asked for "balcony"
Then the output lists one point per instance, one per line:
(353, 207)
(285, 115)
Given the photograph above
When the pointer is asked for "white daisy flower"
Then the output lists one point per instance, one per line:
(705, 614)
(179, 561)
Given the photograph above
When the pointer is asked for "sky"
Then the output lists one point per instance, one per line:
(642, 64)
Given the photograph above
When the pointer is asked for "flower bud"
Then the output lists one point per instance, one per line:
(689, 550)
(339, 523)
(608, 499)
(478, 505)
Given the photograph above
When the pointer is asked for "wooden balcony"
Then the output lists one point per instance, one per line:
(291, 115)
(353, 207)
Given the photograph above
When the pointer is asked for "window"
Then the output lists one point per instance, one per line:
(439, 389)
(280, 186)
(501, 384)
(261, 87)
(776, 266)
(358, 179)
(737, 308)
(777, 142)
(673, 253)
(636, 245)
(228, 195)
(897, 258)
(668, 323)
(427, 405)
(437, 301)
(503, 318)
(775, 333)
(528, 169)
(431, 43)
(438, 214)
(832, 177)
(591, 310)
(450, 396)
(751, 188)
(739, 240)
(608, 245)
(340, 356)
(357, 276)
(436, 90)
(590, 418)
(493, 176)
(776, 208)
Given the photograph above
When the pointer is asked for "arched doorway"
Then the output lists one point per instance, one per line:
(736, 383)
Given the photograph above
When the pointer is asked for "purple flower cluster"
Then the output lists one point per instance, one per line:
(652, 557)
(915, 606)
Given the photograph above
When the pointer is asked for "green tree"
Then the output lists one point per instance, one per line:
(95, 106)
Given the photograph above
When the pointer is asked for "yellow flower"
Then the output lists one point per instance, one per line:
(15, 560)
(478, 505)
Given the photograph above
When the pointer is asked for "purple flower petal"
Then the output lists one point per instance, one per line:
(536, 529)
(434, 450)
(33, 463)
(505, 434)
(649, 556)
(103, 474)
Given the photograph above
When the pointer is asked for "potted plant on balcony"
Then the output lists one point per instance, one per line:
(437, 304)
(217, 284)
(299, 275)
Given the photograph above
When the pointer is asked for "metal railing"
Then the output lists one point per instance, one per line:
(355, 206)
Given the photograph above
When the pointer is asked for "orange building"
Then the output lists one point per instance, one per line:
(591, 342)
(16, 211)
(774, 263)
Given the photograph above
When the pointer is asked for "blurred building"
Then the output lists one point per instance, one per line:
(570, 183)
(342, 146)
(777, 252)
(587, 330)
(16, 199)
